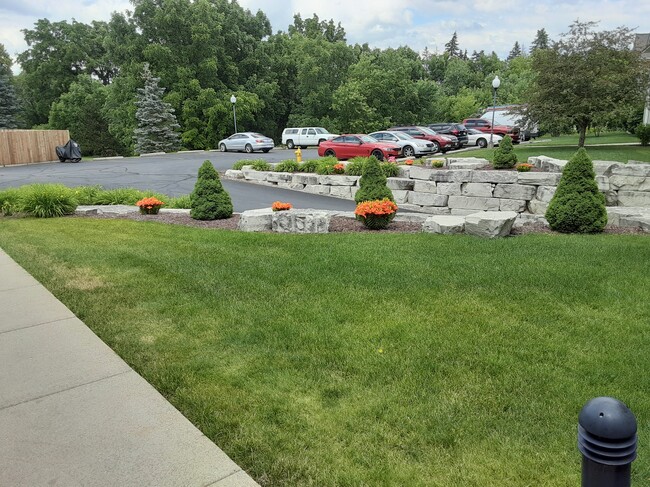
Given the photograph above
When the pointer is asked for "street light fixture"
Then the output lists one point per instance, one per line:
(233, 100)
(496, 82)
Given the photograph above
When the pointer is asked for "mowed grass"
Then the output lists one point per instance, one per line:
(565, 146)
(366, 359)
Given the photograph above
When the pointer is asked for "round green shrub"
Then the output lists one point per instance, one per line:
(643, 133)
(577, 205)
(504, 155)
(372, 185)
(209, 200)
(46, 200)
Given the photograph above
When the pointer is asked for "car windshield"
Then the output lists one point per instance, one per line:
(321, 130)
(428, 131)
(402, 135)
(258, 135)
(367, 139)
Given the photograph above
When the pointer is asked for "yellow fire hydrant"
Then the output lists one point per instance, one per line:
(298, 155)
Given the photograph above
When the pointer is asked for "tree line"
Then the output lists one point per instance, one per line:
(87, 77)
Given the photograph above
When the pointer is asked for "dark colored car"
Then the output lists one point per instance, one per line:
(441, 143)
(486, 127)
(352, 145)
(458, 130)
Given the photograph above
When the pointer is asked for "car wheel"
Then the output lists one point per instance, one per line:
(222, 148)
(436, 147)
(482, 143)
(290, 144)
(378, 154)
(329, 152)
(408, 151)
(248, 148)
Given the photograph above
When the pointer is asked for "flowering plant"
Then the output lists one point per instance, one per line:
(524, 167)
(149, 206)
(339, 168)
(408, 162)
(376, 214)
(280, 206)
(437, 162)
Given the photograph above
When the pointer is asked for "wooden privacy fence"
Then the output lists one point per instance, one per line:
(27, 146)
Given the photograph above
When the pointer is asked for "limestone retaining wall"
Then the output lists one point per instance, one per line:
(463, 188)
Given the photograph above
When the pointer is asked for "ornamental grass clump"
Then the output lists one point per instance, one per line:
(372, 185)
(504, 155)
(577, 205)
(209, 200)
(377, 214)
(46, 200)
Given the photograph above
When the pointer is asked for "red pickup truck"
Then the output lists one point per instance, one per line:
(486, 127)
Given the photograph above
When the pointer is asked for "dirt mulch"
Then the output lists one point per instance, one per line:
(337, 224)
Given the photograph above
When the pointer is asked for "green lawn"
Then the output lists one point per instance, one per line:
(591, 139)
(366, 359)
(618, 153)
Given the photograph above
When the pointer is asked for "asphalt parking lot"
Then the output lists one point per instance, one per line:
(172, 174)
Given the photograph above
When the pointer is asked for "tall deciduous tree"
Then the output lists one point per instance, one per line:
(585, 76)
(156, 120)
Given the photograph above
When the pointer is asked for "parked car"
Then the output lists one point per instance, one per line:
(305, 136)
(246, 141)
(476, 137)
(411, 146)
(485, 126)
(458, 130)
(353, 145)
(511, 115)
(441, 143)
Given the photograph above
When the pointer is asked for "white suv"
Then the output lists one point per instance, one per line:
(305, 136)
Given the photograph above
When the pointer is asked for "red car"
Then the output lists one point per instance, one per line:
(352, 145)
(486, 127)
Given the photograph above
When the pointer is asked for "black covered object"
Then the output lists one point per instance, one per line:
(70, 152)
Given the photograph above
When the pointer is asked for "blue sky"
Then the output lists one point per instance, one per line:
(484, 24)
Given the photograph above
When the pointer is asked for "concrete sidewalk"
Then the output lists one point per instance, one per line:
(72, 413)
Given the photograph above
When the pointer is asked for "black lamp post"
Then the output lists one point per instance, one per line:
(233, 100)
(496, 82)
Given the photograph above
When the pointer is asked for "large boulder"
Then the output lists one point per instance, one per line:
(301, 221)
(490, 224)
(444, 224)
(256, 220)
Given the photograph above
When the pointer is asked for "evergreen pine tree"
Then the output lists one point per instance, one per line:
(504, 155)
(451, 47)
(577, 205)
(9, 107)
(540, 42)
(515, 52)
(372, 185)
(156, 119)
(209, 200)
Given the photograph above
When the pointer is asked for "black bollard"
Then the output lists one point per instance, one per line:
(607, 441)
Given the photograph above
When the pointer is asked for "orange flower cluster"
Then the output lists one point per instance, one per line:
(149, 203)
(280, 206)
(524, 167)
(376, 207)
(408, 162)
(339, 168)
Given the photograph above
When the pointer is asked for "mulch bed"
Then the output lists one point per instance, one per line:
(337, 224)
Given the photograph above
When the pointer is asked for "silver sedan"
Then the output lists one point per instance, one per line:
(411, 147)
(247, 142)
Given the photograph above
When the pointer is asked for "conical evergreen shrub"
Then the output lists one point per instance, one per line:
(577, 206)
(372, 185)
(209, 200)
(504, 155)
